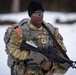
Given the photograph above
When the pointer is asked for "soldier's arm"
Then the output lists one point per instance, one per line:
(15, 44)
(60, 67)
(59, 38)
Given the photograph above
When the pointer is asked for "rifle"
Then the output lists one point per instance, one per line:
(73, 63)
(50, 53)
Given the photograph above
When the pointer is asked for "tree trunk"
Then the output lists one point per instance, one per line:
(15, 6)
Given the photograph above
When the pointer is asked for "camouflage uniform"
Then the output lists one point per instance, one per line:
(40, 37)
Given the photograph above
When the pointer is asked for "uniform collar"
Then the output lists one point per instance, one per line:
(33, 27)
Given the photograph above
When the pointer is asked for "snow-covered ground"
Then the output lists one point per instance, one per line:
(68, 33)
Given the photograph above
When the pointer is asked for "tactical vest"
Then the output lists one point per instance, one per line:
(40, 38)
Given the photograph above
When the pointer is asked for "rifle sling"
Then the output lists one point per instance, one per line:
(53, 38)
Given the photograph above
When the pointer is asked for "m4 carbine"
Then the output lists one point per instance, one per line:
(50, 53)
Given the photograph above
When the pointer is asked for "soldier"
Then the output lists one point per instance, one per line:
(27, 62)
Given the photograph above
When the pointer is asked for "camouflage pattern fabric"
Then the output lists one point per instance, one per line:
(21, 69)
(59, 38)
(58, 67)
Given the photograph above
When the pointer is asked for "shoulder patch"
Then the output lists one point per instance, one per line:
(17, 36)
(19, 31)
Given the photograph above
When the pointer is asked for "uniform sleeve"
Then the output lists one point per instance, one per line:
(59, 68)
(15, 44)
(59, 38)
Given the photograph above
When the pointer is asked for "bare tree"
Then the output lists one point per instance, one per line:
(15, 6)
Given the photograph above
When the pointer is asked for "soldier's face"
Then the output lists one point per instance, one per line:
(37, 17)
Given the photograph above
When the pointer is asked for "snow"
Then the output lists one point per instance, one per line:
(67, 31)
